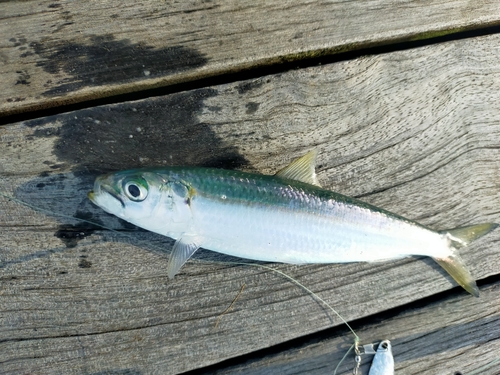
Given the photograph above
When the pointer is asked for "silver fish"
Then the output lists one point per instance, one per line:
(383, 361)
(284, 218)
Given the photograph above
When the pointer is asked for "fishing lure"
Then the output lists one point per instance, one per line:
(383, 361)
(285, 218)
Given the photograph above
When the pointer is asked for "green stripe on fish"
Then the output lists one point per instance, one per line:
(284, 218)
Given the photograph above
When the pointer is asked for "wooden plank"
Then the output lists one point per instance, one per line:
(416, 132)
(456, 335)
(61, 52)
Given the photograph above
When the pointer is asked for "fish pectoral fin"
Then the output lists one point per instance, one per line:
(183, 249)
(301, 169)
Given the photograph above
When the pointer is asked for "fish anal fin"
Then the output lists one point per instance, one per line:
(183, 249)
(456, 268)
(301, 169)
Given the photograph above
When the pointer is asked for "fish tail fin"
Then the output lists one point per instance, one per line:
(453, 264)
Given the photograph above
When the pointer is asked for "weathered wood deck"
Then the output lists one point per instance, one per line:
(413, 130)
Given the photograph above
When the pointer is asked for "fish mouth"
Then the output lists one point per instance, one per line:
(103, 188)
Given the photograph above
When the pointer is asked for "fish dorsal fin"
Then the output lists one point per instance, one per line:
(301, 169)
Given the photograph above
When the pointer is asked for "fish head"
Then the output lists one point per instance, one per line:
(147, 198)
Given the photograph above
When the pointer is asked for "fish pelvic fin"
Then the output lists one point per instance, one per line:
(453, 264)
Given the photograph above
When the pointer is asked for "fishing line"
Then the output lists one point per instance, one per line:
(281, 273)
(296, 282)
(356, 341)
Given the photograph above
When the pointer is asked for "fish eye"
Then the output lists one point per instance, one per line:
(135, 190)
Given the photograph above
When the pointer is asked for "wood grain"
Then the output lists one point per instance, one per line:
(416, 132)
(60, 52)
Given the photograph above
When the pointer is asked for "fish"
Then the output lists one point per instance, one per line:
(383, 361)
(286, 217)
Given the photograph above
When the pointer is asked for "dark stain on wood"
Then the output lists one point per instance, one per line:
(71, 234)
(252, 107)
(129, 226)
(92, 62)
(18, 42)
(84, 263)
(159, 131)
(16, 100)
(214, 108)
(46, 132)
(118, 372)
(244, 87)
(23, 77)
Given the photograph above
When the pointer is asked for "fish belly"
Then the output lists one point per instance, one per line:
(332, 233)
